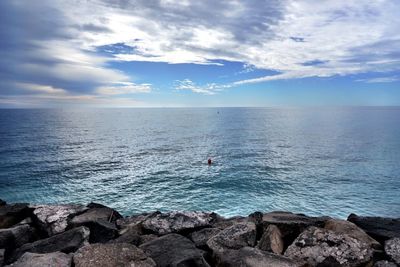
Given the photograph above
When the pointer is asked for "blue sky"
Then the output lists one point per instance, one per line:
(167, 53)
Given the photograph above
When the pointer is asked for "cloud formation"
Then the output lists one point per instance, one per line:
(54, 45)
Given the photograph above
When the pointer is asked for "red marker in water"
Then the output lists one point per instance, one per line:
(209, 161)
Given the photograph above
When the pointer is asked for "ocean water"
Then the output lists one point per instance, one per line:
(317, 161)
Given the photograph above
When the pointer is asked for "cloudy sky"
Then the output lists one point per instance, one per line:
(121, 53)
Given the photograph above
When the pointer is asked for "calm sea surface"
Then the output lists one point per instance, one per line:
(327, 161)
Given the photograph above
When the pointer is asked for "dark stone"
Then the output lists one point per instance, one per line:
(99, 211)
(252, 257)
(132, 220)
(271, 240)
(329, 262)
(234, 237)
(379, 228)
(222, 223)
(11, 238)
(291, 224)
(147, 238)
(68, 241)
(52, 219)
(131, 235)
(54, 259)
(385, 264)
(13, 213)
(2, 202)
(177, 222)
(201, 237)
(174, 250)
(105, 255)
(392, 249)
(100, 221)
(315, 245)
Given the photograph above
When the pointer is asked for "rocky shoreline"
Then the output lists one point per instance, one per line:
(96, 235)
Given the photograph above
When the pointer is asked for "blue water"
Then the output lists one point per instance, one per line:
(318, 161)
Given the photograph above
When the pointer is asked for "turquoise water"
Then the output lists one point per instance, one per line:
(330, 161)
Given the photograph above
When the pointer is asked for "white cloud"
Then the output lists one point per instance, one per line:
(207, 89)
(380, 80)
(125, 89)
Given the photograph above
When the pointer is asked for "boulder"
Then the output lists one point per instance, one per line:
(385, 264)
(105, 214)
(174, 250)
(234, 237)
(100, 221)
(52, 219)
(118, 254)
(2, 251)
(68, 241)
(201, 237)
(177, 222)
(319, 246)
(131, 235)
(271, 240)
(222, 223)
(392, 249)
(350, 229)
(132, 220)
(13, 213)
(54, 259)
(291, 224)
(147, 238)
(379, 228)
(252, 257)
(15, 237)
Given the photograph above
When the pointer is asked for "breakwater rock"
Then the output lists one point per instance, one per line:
(96, 235)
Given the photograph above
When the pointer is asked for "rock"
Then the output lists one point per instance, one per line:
(54, 259)
(315, 245)
(271, 240)
(174, 250)
(132, 220)
(15, 237)
(13, 213)
(105, 255)
(222, 223)
(177, 222)
(201, 237)
(52, 219)
(131, 235)
(106, 214)
(392, 249)
(2, 202)
(234, 237)
(68, 241)
(385, 264)
(147, 238)
(349, 228)
(99, 221)
(290, 224)
(2, 251)
(252, 257)
(379, 228)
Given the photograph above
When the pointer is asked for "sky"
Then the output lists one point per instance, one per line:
(186, 53)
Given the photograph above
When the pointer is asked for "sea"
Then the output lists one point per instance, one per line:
(318, 161)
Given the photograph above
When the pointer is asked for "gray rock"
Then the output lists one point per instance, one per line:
(392, 249)
(222, 223)
(315, 245)
(234, 237)
(13, 213)
(201, 237)
(174, 250)
(15, 237)
(68, 241)
(105, 214)
(54, 259)
(105, 255)
(52, 219)
(379, 228)
(271, 240)
(349, 228)
(252, 257)
(100, 221)
(291, 224)
(385, 264)
(131, 235)
(2, 251)
(133, 220)
(147, 238)
(177, 222)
